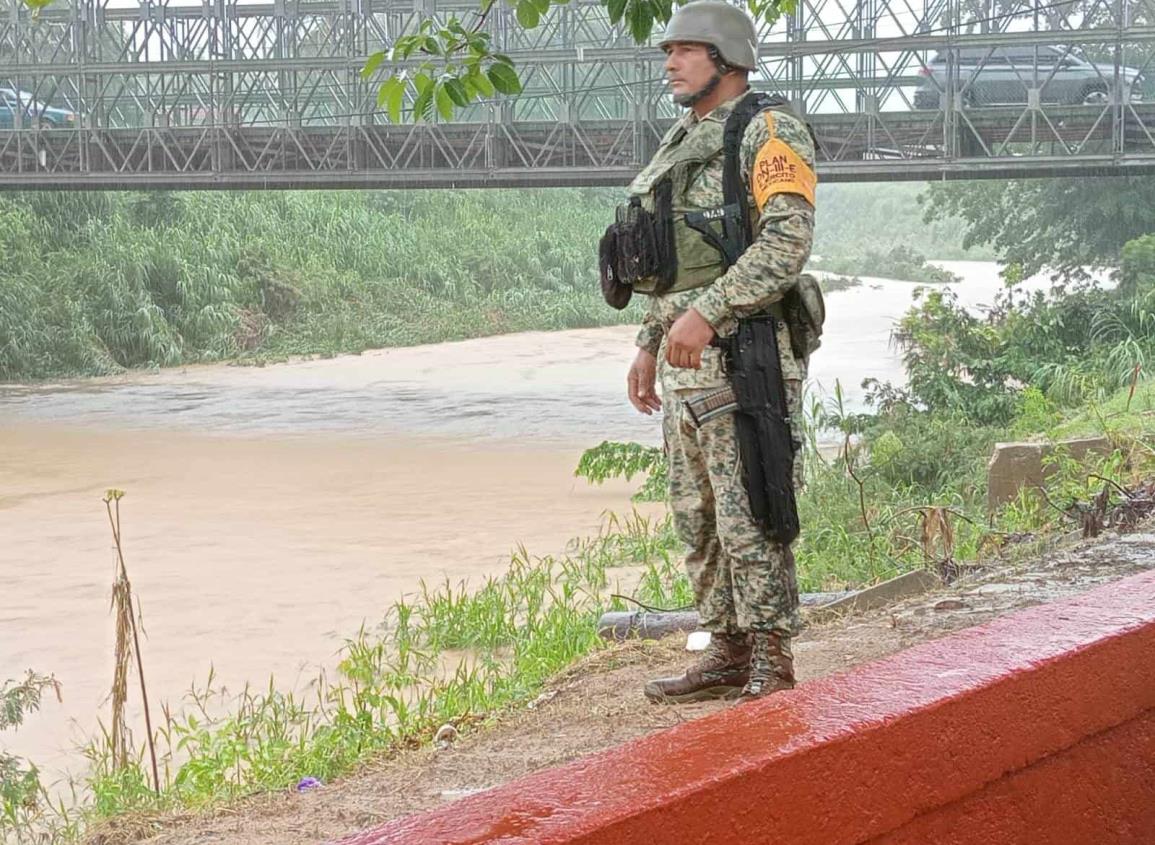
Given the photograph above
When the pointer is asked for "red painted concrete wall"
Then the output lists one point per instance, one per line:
(1036, 728)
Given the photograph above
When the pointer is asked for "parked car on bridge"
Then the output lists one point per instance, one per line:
(34, 114)
(1003, 75)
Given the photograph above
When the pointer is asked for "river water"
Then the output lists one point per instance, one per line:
(270, 511)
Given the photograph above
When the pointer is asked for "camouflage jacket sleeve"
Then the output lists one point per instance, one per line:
(785, 226)
(650, 334)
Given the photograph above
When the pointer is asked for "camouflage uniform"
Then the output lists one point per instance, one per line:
(742, 581)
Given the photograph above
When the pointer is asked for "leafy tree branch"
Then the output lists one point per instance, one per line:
(457, 66)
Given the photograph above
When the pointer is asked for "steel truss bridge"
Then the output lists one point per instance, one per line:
(219, 94)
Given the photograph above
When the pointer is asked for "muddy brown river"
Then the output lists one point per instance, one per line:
(271, 511)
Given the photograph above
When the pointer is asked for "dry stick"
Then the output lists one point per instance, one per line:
(862, 506)
(921, 508)
(1047, 499)
(1127, 493)
(861, 493)
(115, 523)
(1134, 382)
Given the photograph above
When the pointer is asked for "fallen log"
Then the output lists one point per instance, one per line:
(655, 624)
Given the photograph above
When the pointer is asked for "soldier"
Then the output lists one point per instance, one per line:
(744, 581)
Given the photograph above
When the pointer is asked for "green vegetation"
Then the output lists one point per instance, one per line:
(1065, 225)
(452, 66)
(92, 283)
(625, 460)
(899, 262)
(830, 284)
(1080, 343)
(455, 655)
(23, 801)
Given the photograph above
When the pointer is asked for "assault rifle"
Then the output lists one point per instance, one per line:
(762, 423)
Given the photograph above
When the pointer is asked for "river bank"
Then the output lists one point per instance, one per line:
(597, 705)
(326, 487)
(271, 511)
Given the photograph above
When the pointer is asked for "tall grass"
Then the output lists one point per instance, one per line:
(90, 286)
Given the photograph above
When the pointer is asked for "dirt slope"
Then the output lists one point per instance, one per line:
(598, 704)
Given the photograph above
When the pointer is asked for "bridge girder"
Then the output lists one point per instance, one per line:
(226, 94)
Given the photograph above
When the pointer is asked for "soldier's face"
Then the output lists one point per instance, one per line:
(689, 68)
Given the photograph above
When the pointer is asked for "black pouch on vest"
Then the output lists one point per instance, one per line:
(639, 245)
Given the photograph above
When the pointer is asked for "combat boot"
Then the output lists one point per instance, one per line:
(771, 666)
(720, 673)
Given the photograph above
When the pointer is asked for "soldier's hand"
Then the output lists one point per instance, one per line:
(641, 380)
(689, 335)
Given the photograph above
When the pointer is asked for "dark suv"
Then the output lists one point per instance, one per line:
(994, 76)
(32, 114)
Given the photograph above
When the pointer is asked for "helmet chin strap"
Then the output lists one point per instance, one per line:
(687, 100)
(720, 69)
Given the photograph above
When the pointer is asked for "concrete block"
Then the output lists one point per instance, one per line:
(1014, 466)
(900, 587)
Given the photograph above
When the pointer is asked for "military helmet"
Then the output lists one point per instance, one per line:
(715, 22)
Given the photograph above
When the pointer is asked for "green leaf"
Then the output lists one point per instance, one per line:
(481, 83)
(542, 5)
(504, 79)
(641, 20)
(396, 98)
(527, 14)
(616, 9)
(458, 92)
(423, 83)
(504, 59)
(423, 105)
(444, 100)
(387, 88)
(372, 64)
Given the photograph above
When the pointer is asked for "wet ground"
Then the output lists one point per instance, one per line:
(599, 705)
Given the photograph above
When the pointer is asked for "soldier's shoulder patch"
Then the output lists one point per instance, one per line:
(779, 168)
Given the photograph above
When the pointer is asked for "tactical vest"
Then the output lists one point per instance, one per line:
(661, 242)
(698, 244)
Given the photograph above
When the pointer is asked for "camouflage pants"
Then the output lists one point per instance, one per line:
(742, 581)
